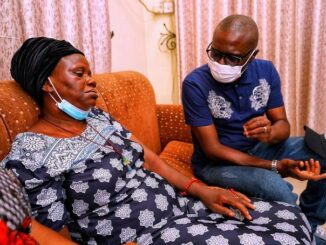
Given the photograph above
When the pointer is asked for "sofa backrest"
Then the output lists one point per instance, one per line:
(18, 112)
(128, 96)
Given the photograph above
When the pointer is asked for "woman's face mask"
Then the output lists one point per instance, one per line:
(227, 73)
(69, 108)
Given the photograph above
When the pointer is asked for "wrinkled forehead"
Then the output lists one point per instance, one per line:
(73, 59)
(239, 33)
(233, 41)
(70, 63)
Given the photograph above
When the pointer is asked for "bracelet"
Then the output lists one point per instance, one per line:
(27, 225)
(233, 192)
(274, 166)
(187, 186)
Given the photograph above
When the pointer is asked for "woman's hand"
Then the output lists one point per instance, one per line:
(44, 235)
(218, 199)
(302, 170)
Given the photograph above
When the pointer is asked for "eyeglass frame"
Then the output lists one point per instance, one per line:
(225, 55)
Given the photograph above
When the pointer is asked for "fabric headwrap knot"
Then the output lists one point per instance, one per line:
(35, 60)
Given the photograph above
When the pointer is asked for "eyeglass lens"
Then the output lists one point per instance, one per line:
(215, 55)
(229, 59)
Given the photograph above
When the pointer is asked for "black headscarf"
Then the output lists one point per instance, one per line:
(35, 60)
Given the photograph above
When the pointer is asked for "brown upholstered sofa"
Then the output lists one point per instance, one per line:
(129, 97)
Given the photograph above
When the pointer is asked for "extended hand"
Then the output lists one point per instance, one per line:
(309, 170)
(216, 199)
(258, 128)
(302, 170)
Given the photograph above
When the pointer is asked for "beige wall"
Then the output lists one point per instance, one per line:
(135, 45)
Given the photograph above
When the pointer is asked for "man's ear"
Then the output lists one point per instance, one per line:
(47, 87)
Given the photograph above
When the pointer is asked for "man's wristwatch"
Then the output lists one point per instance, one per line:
(274, 166)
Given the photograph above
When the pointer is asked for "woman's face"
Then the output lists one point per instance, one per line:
(73, 80)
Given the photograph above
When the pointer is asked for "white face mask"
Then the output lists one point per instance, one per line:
(226, 73)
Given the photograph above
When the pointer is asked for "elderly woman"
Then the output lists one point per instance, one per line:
(85, 173)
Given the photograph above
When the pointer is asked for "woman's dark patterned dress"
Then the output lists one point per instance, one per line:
(81, 182)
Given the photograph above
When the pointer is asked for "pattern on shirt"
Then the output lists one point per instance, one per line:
(220, 108)
(260, 95)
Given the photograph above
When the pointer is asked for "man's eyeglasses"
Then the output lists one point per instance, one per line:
(229, 59)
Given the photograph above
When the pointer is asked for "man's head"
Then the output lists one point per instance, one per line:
(35, 60)
(234, 37)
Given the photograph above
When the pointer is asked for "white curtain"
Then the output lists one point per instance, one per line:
(84, 23)
(292, 36)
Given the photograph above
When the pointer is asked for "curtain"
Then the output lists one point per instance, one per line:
(292, 36)
(84, 23)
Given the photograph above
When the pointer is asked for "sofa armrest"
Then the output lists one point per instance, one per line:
(172, 125)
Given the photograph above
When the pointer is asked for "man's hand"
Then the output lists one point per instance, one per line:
(258, 128)
(218, 199)
(302, 170)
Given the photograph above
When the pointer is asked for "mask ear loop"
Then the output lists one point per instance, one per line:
(55, 90)
(244, 65)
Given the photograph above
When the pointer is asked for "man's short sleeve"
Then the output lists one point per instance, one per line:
(195, 105)
(275, 98)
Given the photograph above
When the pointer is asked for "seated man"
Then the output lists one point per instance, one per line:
(240, 130)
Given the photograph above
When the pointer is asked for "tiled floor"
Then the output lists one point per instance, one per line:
(298, 186)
